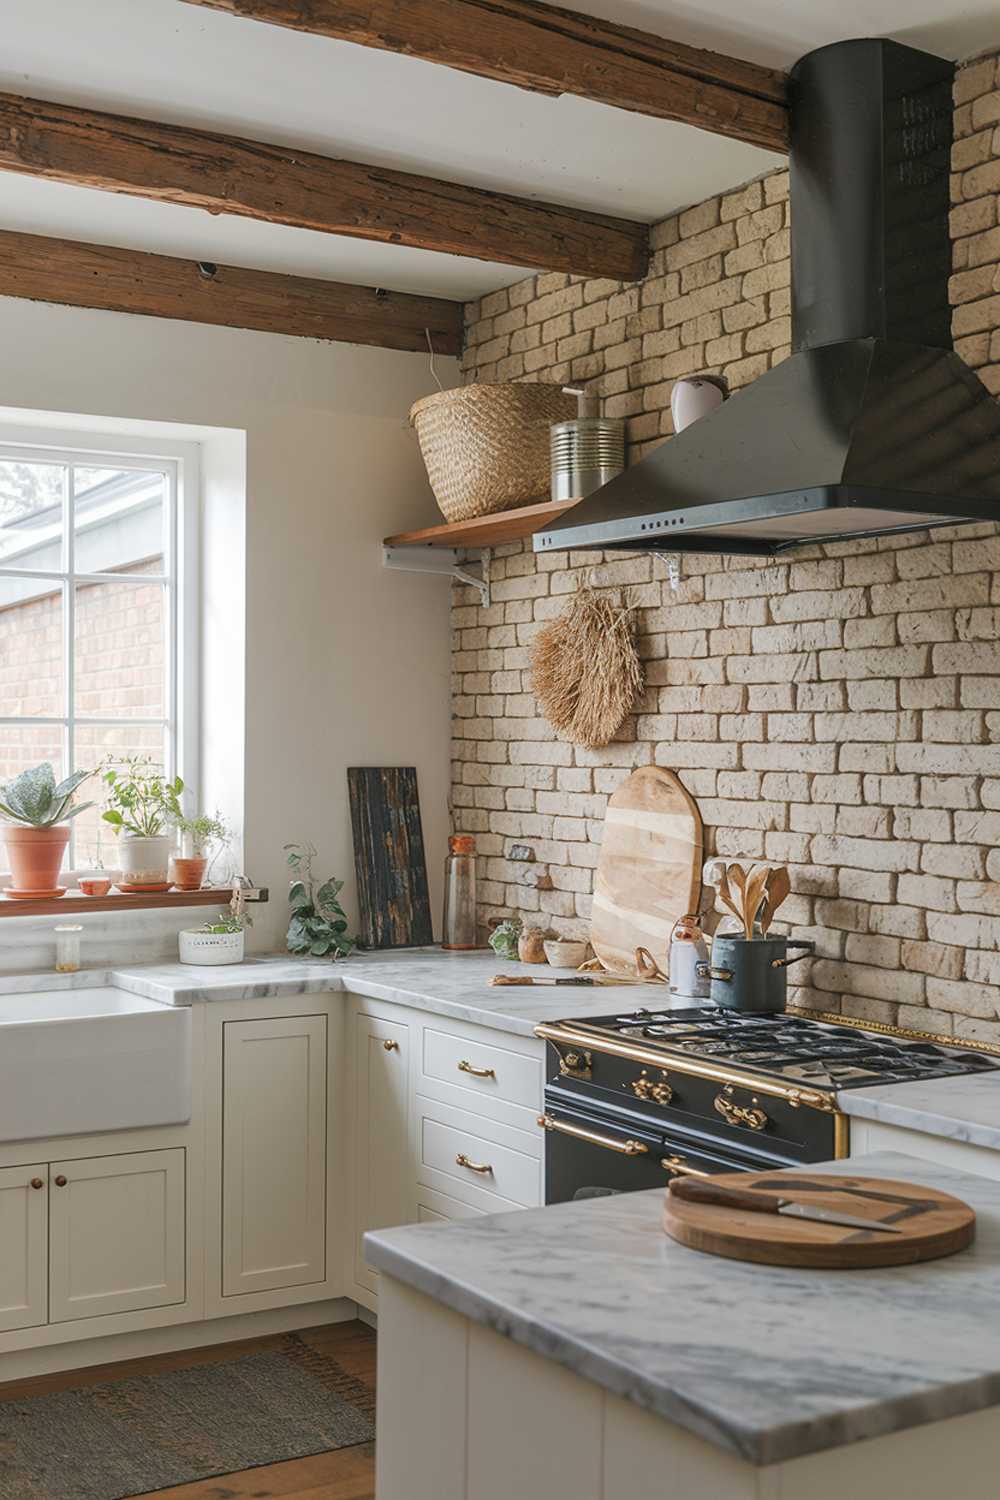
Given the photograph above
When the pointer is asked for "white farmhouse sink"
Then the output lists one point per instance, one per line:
(76, 1061)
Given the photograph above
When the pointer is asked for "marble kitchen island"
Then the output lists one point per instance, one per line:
(575, 1351)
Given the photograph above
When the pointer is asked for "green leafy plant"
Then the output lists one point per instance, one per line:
(237, 919)
(35, 801)
(318, 924)
(142, 801)
(201, 831)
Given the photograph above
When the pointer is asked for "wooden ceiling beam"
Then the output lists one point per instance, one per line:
(280, 185)
(45, 269)
(553, 51)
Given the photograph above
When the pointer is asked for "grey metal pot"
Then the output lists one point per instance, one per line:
(750, 974)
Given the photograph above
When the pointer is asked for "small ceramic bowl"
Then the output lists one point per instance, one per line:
(566, 953)
(94, 885)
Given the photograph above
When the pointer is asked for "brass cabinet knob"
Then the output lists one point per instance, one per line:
(390, 1045)
(60, 1180)
(37, 1182)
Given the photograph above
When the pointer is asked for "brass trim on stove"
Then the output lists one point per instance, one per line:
(841, 1136)
(793, 1094)
(829, 1018)
(678, 1166)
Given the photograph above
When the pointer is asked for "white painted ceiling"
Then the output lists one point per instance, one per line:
(171, 61)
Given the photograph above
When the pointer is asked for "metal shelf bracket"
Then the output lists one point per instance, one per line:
(445, 561)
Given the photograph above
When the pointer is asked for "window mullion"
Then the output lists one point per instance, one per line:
(69, 635)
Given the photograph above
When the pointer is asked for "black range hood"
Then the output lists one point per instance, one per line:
(873, 425)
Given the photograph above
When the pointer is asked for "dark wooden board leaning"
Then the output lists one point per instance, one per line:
(389, 857)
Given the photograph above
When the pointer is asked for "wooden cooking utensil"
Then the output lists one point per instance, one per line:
(726, 895)
(753, 895)
(778, 886)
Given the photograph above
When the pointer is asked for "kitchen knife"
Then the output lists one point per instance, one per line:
(703, 1190)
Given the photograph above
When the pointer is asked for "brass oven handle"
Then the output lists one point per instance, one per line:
(679, 1165)
(624, 1148)
(483, 1168)
(466, 1067)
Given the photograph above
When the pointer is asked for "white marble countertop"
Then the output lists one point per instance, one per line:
(450, 984)
(965, 1109)
(766, 1362)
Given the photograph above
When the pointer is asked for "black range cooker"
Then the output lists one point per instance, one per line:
(632, 1100)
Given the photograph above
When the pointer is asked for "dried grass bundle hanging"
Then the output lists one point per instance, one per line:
(586, 672)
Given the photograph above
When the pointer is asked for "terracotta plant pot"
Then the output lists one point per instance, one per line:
(35, 856)
(188, 873)
(94, 885)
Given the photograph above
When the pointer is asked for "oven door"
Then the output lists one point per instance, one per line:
(590, 1152)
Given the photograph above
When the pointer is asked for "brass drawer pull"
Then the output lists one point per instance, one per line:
(678, 1165)
(624, 1148)
(750, 1115)
(466, 1067)
(37, 1182)
(390, 1045)
(483, 1168)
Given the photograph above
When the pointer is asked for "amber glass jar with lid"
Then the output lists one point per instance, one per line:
(459, 925)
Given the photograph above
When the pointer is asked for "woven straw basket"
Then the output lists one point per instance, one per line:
(486, 447)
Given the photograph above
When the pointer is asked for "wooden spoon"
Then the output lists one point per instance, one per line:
(752, 897)
(777, 888)
(726, 895)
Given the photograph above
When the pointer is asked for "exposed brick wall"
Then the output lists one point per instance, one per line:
(838, 711)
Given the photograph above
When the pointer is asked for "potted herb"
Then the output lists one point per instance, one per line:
(318, 926)
(221, 941)
(143, 806)
(36, 813)
(187, 869)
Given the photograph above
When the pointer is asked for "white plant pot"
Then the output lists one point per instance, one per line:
(145, 861)
(211, 947)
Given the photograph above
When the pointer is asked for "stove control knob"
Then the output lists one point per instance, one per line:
(644, 1087)
(751, 1115)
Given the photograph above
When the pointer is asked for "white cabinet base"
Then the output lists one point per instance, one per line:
(23, 1247)
(464, 1414)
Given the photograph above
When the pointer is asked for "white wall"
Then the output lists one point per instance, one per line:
(346, 664)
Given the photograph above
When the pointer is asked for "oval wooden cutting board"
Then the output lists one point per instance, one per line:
(649, 870)
(932, 1224)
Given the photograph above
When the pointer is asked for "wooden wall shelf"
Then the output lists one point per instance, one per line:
(70, 905)
(485, 531)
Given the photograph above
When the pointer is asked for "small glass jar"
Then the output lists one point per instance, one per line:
(459, 925)
(67, 949)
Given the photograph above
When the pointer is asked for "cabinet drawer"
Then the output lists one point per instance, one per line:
(487, 1075)
(452, 1146)
(438, 1208)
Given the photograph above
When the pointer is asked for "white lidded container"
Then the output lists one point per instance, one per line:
(211, 947)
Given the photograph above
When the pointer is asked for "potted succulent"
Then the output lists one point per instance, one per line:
(318, 925)
(36, 813)
(187, 869)
(221, 941)
(143, 805)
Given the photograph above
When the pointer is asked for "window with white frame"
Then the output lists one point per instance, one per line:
(91, 618)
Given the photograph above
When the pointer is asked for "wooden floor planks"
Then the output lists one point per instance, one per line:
(347, 1474)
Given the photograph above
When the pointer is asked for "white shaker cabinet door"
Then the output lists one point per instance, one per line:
(23, 1247)
(383, 1172)
(117, 1234)
(274, 1154)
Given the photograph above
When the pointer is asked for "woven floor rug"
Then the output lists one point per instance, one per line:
(127, 1437)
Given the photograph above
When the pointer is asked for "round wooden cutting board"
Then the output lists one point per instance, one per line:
(933, 1224)
(649, 869)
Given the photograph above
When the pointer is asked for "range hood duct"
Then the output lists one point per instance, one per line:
(873, 425)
